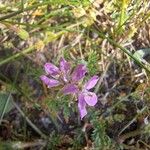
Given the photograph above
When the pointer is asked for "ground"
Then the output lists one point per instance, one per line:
(111, 38)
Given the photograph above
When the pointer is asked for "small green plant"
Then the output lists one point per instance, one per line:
(54, 141)
(78, 140)
(99, 136)
(92, 62)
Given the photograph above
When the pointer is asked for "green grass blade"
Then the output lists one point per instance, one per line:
(114, 43)
(26, 51)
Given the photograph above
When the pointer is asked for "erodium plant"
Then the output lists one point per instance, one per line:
(72, 83)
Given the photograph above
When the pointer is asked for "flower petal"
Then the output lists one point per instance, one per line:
(92, 82)
(79, 72)
(51, 69)
(90, 98)
(82, 106)
(70, 89)
(49, 82)
(64, 65)
(65, 68)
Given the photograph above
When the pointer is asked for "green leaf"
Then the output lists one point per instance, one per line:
(51, 36)
(140, 54)
(6, 104)
(23, 34)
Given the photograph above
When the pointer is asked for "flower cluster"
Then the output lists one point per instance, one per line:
(70, 80)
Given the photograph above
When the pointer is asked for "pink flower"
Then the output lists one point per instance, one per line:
(54, 75)
(70, 80)
(85, 97)
(78, 73)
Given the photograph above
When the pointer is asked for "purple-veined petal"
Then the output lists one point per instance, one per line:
(79, 72)
(49, 82)
(70, 89)
(51, 69)
(64, 65)
(92, 82)
(82, 106)
(90, 98)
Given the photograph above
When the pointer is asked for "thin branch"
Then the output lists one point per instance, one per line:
(134, 119)
(29, 121)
